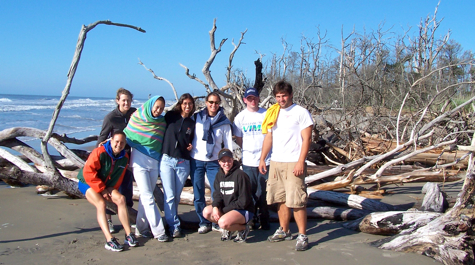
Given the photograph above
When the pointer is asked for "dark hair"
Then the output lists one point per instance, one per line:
(177, 107)
(162, 99)
(125, 92)
(282, 87)
(216, 94)
(117, 132)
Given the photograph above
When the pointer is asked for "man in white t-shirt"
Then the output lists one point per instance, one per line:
(250, 138)
(289, 139)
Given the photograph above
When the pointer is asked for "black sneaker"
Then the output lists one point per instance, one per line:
(242, 235)
(114, 245)
(131, 240)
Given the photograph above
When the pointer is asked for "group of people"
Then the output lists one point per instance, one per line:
(183, 143)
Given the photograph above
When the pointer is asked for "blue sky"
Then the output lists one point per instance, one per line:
(38, 38)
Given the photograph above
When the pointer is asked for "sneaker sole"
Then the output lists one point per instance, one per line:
(131, 245)
(113, 249)
(279, 239)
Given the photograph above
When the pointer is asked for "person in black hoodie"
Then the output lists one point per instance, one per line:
(115, 121)
(232, 206)
(175, 164)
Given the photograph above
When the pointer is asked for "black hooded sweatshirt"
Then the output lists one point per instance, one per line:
(233, 190)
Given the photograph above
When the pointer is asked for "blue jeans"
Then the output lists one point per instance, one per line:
(258, 189)
(198, 170)
(173, 172)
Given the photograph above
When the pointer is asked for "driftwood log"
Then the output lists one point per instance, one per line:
(392, 222)
(333, 213)
(349, 200)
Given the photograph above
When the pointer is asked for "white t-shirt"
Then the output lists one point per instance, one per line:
(286, 133)
(248, 126)
(222, 135)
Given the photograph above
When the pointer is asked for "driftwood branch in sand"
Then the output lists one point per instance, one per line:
(333, 213)
(392, 222)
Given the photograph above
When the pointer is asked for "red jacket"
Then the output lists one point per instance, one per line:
(103, 170)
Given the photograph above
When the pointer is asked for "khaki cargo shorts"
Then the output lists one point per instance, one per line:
(284, 187)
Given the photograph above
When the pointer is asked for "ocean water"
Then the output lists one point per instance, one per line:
(79, 117)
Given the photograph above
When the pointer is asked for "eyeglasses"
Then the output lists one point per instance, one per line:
(213, 102)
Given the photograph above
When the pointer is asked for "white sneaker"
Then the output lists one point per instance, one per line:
(204, 229)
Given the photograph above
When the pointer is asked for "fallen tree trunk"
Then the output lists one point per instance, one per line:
(353, 201)
(333, 213)
(391, 223)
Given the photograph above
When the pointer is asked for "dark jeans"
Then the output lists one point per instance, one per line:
(258, 189)
(126, 189)
(198, 169)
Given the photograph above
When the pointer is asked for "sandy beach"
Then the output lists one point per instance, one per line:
(35, 229)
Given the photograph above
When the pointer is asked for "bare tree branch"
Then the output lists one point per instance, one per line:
(160, 78)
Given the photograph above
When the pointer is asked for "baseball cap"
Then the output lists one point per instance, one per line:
(225, 152)
(251, 92)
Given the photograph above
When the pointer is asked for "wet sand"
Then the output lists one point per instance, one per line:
(57, 230)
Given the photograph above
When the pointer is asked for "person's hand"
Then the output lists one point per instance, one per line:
(262, 167)
(298, 169)
(106, 194)
(103, 142)
(216, 214)
(189, 147)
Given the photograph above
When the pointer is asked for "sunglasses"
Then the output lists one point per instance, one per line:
(213, 102)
